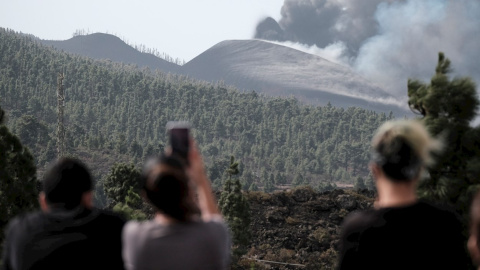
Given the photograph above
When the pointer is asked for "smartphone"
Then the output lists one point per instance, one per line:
(179, 136)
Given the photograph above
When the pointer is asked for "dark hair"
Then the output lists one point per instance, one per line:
(403, 148)
(165, 183)
(65, 182)
(398, 159)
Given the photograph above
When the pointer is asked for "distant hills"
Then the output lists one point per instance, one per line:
(262, 66)
(106, 46)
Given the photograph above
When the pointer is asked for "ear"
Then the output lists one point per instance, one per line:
(42, 200)
(376, 171)
(87, 199)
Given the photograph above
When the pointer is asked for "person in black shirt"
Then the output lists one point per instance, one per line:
(68, 233)
(402, 232)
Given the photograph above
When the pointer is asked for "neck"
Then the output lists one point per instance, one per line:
(164, 219)
(393, 194)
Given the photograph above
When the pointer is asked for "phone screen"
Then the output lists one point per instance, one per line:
(179, 141)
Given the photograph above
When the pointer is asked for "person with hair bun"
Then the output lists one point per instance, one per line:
(402, 232)
(187, 231)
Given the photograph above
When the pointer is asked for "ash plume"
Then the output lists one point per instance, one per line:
(387, 41)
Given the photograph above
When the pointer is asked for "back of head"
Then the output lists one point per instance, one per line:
(402, 148)
(65, 183)
(166, 187)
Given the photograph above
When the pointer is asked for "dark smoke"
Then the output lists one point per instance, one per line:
(323, 22)
(387, 41)
(269, 29)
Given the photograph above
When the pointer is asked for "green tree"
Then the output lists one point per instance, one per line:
(130, 208)
(253, 187)
(359, 184)
(370, 183)
(233, 168)
(269, 184)
(121, 178)
(236, 210)
(298, 180)
(18, 181)
(447, 107)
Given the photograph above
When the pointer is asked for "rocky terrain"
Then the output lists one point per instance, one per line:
(299, 227)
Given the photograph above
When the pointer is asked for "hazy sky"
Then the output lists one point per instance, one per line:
(180, 28)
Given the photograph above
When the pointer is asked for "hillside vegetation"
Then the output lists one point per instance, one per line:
(117, 113)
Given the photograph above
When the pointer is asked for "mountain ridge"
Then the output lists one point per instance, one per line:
(258, 65)
(106, 46)
(276, 69)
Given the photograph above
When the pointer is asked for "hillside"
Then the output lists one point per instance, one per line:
(278, 70)
(117, 113)
(106, 46)
(257, 65)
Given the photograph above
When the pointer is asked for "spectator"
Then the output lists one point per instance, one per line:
(177, 237)
(474, 239)
(68, 232)
(402, 232)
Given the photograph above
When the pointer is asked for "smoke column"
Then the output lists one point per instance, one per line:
(385, 41)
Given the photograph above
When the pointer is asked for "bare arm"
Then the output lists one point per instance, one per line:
(206, 202)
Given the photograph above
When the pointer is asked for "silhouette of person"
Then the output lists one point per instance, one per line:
(185, 233)
(402, 232)
(474, 239)
(68, 232)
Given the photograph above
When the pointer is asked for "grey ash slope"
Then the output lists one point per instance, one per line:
(106, 46)
(282, 71)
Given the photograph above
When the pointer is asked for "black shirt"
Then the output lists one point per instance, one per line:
(60, 239)
(419, 236)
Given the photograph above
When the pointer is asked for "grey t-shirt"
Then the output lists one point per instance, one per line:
(192, 245)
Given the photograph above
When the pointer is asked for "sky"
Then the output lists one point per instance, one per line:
(181, 28)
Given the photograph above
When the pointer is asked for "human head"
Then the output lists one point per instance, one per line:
(401, 149)
(166, 186)
(474, 239)
(67, 184)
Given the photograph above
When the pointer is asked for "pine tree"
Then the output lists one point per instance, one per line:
(119, 181)
(298, 180)
(359, 184)
(447, 107)
(235, 209)
(370, 183)
(131, 207)
(233, 168)
(253, 187)
(18, 181)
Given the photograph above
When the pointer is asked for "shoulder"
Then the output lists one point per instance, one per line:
(360, 220)
(442, 218)
(438, 212)
(134, 229)
(106, 218)
(25, 221)
(135, 233)
(112, 216)
(215, 224)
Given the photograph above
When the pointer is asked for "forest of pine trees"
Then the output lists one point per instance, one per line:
(117, 113)
(116, 116)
